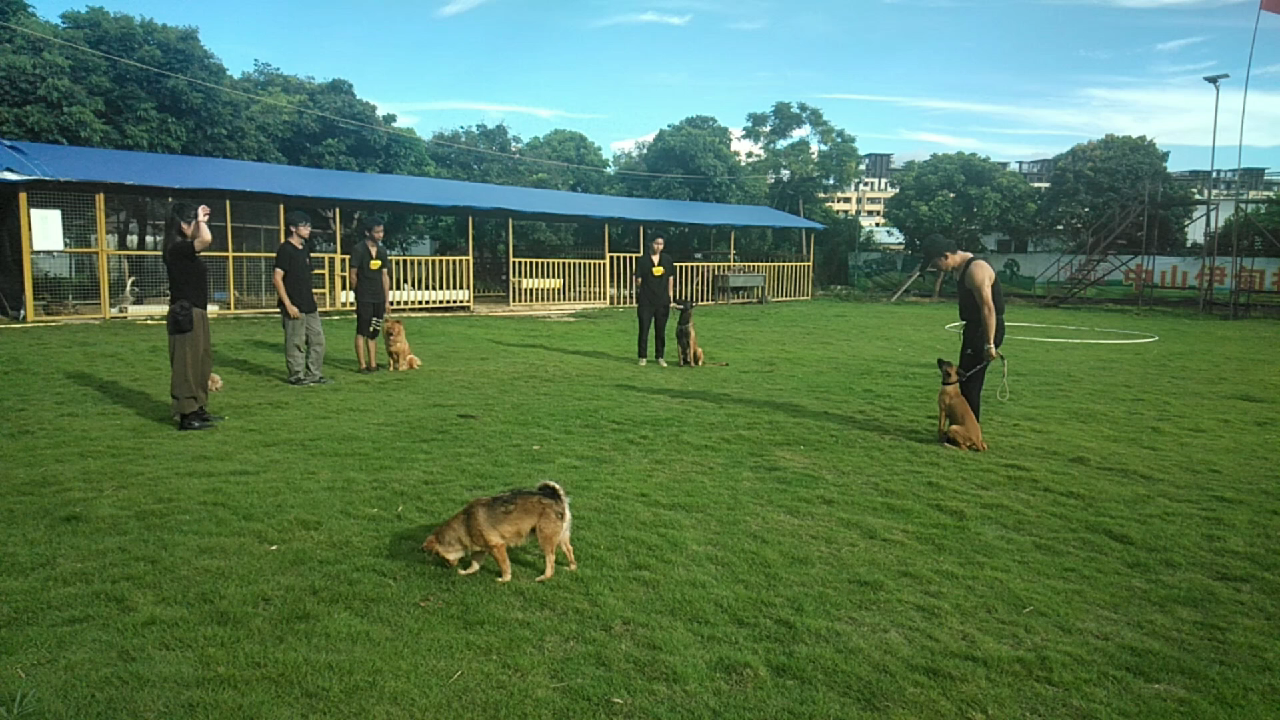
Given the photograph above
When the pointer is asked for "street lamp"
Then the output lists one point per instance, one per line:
(1213, 80)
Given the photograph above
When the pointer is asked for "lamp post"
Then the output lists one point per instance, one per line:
(1207, 279)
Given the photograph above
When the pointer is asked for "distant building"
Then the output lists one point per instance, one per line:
(1037, 172)
(1250, 181)
(887, 238)
(866, 198)
(1228, 186)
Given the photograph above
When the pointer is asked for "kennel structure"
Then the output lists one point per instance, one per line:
(81, 230)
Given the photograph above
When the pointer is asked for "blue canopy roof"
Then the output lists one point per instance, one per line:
(27, 162)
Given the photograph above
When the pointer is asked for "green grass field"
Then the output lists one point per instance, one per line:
(779, 538)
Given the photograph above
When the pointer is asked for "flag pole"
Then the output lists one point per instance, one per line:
(1235, 211)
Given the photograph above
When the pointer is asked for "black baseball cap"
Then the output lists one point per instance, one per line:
(934, 247)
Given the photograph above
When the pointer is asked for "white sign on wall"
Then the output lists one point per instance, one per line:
(46, 231)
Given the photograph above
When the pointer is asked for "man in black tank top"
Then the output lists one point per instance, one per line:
(981, 309)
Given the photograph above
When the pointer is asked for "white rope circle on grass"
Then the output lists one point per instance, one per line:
(1146, 337)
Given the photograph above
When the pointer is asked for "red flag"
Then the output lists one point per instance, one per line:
(1271, 6)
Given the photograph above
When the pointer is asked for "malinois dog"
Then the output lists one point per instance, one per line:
(492, 524)
(687, 337)
(964, 432)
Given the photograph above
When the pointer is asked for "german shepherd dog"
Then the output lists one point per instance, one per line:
(492, 524)
(687, 337)
(964, 432)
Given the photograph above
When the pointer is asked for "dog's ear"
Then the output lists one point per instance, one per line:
(942, 364)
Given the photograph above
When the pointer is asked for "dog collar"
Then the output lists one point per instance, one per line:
(950, 383)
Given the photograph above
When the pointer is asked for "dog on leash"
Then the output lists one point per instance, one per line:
(402, 358)
(691, 353)
(215, 382)
(963, 430)
(492, 524)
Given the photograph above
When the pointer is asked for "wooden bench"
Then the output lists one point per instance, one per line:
(725, 285)
(460, 295)
(541, 283)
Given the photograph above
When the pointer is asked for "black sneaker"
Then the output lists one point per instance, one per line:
(193, 422)
(298, 382)
(322, 380)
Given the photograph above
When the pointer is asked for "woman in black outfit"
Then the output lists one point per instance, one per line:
(655, 278)
(186, 235)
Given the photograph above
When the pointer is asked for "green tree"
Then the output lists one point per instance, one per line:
(42, 98)
(573, 149)
(691, 160)
(961, 196)
(343, 132)
(479, 153)
(804, 157)
(1096, 184)
(152, 112)
(803, 154)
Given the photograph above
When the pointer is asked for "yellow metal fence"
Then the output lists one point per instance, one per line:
(416, 282)
(82, 275)
(558, 282)
(696, 281)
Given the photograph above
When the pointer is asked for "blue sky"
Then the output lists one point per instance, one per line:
(1012, 79)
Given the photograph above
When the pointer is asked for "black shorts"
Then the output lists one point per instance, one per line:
(369, 318)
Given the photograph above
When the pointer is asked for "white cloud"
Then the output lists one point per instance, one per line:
(737, 143)
(996, 150)
(1172, 113)
(1042, 132)
(1023, 113)
(457, 7)
(1181, 69)
(643, 18)
(1175, 45)
(407, 113)
(630, 144)
(749, 25)
(1268, 70)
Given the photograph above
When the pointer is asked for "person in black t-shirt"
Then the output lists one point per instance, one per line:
(186, 235)
(655, 281)
(981, 308)
(370, 278)
(303, 334)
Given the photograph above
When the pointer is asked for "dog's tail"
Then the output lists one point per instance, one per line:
(552, 491)
(413, 362)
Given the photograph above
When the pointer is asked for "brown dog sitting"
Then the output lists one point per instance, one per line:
(687, 338)
(964, 431)
(401, 357)
(215, 382)
(492, 524)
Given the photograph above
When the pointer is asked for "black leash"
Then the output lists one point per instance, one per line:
(1002, 393)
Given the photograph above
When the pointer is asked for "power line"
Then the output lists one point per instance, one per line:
(379, 128)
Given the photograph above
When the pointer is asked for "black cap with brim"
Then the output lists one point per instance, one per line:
(933, 247)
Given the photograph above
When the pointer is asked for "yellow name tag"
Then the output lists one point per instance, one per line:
(658, 270)
(375, 264)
